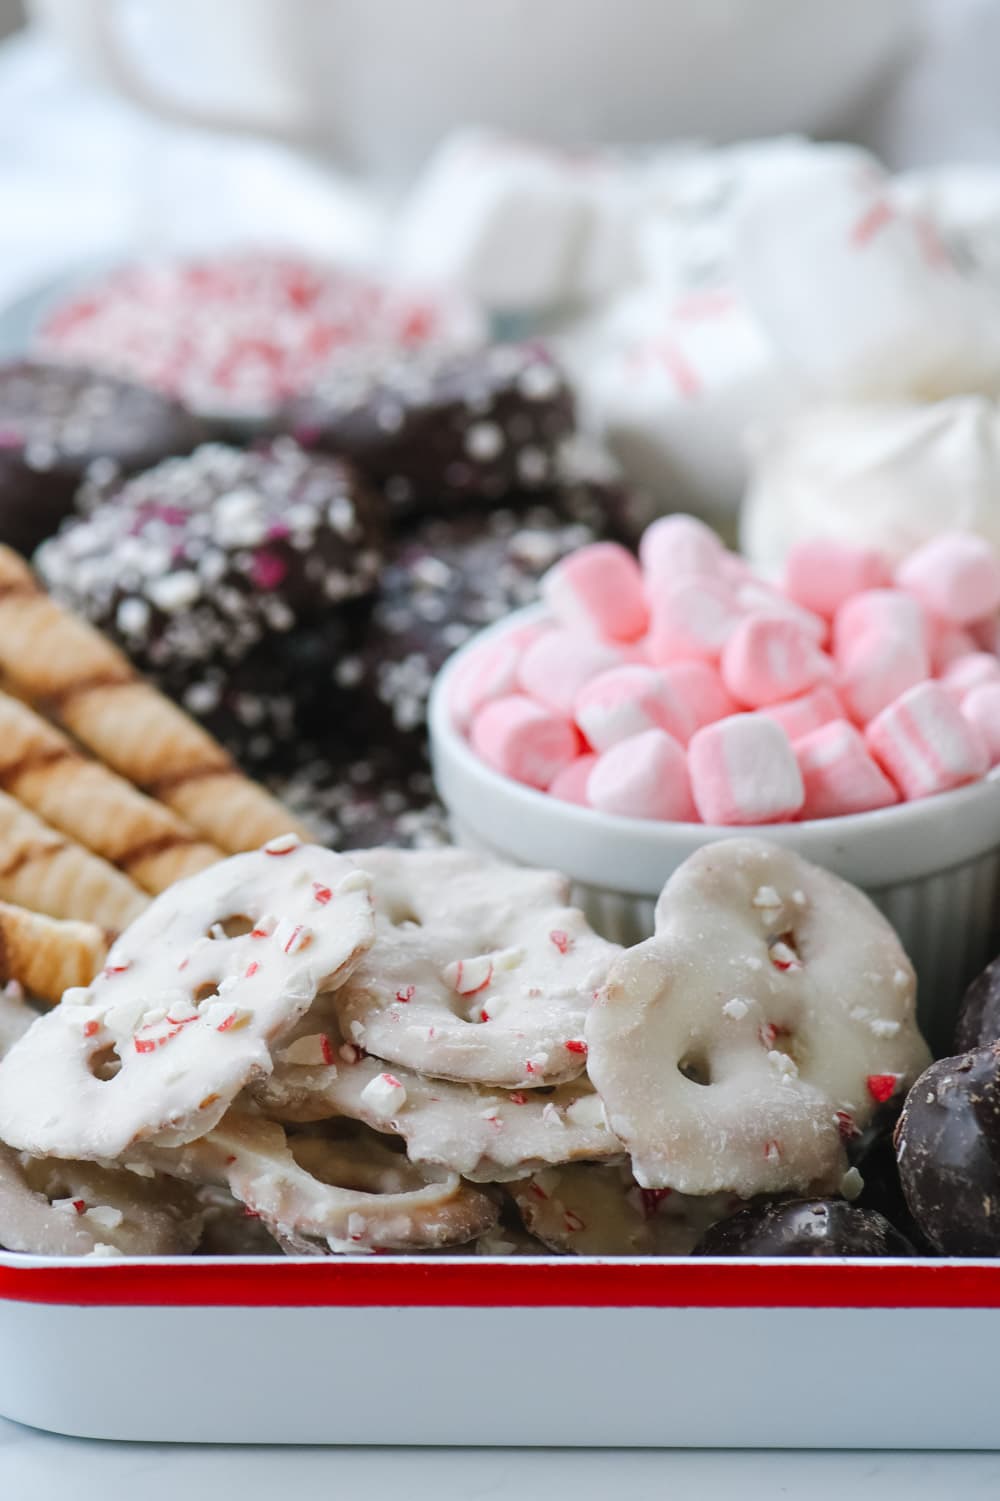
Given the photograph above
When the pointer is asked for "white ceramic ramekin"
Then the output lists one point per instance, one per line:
(933, 867)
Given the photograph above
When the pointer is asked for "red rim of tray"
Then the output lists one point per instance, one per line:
(536, 1283)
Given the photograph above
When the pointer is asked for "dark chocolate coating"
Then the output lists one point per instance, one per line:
(803, 1227)
(948, 1150)
(195, 562)
(979, 1014)
(61, 423)
(361, 801)
(436, 434)
(444, 580)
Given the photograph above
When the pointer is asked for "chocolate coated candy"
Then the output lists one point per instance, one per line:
(435, 434)
(57, 424)
(803, 1227)
(979, 1015)
(198, 560)
(356, 802)
(948, 1150)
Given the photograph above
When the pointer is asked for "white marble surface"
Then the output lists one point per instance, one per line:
(41, 1467)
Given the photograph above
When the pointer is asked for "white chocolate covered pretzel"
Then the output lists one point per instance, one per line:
(52, 1208)
(740, 1047)
(349, 1191)
(480, 971)
(486, 1134)
(602, 1211)
(191, 999)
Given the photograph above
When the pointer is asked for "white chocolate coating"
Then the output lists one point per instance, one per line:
(771, 1011)
(487, 1135)
(480, 972)
(52, 1208)
(602, 1211)
(350, 1191)
(183, 1016)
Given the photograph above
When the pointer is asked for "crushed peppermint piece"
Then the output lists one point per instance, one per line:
(766, 898)
(470, 976)
(284, 844)
(309, 1052)
(852, 1183)
(384, 1096)
(882, 1087)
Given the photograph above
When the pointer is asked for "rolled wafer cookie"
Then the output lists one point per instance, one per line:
(69, 670)
(42, 769)
(43, 870)
(46, 956)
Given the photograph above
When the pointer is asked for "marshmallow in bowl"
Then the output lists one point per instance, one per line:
(859, 296)
(738, 704)
(887, 476)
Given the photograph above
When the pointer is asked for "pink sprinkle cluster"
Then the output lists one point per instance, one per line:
(681, 686)
(241, 333)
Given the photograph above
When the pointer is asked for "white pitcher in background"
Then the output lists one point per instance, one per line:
(377, 83)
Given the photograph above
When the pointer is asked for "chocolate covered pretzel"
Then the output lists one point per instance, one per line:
(320, 1190)
(438, 433)
(60, 424)
(741, 1047)
(197, 560)
(487, 1135)
(602, 1211)
(191, 1000)
(480, 972)
(52, 1208)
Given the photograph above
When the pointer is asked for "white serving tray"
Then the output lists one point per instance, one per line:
(524, 1351)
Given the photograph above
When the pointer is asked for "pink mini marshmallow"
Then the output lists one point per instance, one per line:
(600, 588)
(743, 771)
(981, 707)
(677, 547)
(757, 598)
(879, 667)
(555, 667)
(925, 744)
(644, 777)
(800, 716)
(768, 659)
(821, 574)
(881, 612)
(947, 644)
(972, 671)
(487, 672)
(955, 575)
(524, 741)
(624, 702)
(700, 689)
(570, 784)
(839, 774)
(692, 621)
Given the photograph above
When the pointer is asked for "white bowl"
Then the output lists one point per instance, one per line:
(932, 866)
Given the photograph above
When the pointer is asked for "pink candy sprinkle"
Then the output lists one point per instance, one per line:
(575, 1045)
(406, 994)
(91, 1029)
(268, 570)
(560, 939)
(882, 1087)
(323, 894)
